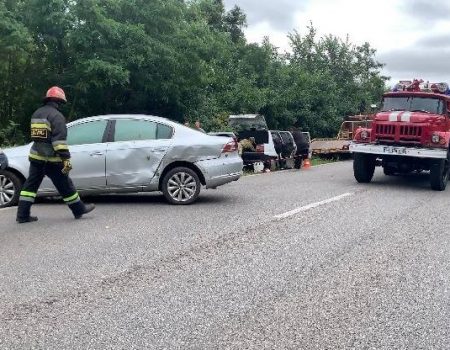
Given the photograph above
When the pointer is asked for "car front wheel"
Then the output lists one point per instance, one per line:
(181, 186)
(10, 186)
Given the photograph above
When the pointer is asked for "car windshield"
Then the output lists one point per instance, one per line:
(413, 104)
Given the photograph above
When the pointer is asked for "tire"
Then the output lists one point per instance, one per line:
(439, 175)
(181, 186)
(298, 162)
(10, 186)
(388, 171)
(363, 167)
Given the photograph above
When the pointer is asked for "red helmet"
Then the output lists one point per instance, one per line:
(57, 93)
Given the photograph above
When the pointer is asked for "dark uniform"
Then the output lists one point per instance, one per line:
(301, 142)
(3, 160)
(302, 147)
(49, 155)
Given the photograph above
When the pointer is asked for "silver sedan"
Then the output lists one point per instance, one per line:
(133, 153)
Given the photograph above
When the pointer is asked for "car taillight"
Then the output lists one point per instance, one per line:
(230, 147)
(260, 148)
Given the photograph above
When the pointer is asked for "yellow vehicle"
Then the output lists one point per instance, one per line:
(340, 144)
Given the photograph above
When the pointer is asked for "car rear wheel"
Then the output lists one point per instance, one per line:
(363, 167)
(181, 186)
(10, 186)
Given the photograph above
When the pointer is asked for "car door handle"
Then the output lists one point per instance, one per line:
(96, 154)
(159, 150)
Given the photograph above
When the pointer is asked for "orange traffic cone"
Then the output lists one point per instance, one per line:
(306, 164)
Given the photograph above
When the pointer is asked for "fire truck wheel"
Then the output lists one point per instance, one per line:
(439, 175)
(363, 167)
(388, 170)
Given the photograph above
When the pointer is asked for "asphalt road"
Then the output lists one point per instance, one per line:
(290, 260)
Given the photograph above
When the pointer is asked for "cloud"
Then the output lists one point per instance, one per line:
(279, 14)
(434, 42)
(415, 63)
(427, 10)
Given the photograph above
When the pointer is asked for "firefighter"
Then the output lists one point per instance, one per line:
(49, 155)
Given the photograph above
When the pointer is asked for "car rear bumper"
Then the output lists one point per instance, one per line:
(220, 171)
(435, 153)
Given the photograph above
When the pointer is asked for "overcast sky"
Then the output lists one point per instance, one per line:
(412, 37)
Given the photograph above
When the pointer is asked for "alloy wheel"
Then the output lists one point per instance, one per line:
(7, 190)
(182, 187)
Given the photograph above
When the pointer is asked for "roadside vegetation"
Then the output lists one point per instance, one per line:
(319, 160)
(184, 60)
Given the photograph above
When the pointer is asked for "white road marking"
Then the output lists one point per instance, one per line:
(312, 205)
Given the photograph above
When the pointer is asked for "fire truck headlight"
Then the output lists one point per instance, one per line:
(435, 138)
(364, 134)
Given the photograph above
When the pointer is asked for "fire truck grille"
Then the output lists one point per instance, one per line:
(392, 132)
(412, 131)
(385, 131)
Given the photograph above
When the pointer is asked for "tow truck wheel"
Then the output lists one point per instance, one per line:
(363, 167)
(439, 174)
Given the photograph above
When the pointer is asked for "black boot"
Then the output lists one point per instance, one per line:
(23, 212)
(28, 219)
(79, 209)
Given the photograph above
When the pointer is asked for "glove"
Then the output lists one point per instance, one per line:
(67, 167)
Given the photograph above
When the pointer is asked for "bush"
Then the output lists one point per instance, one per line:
(11, 135)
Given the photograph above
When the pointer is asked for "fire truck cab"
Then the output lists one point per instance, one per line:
(411, 132)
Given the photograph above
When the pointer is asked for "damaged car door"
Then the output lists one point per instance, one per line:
(137, 149)
(87, 147)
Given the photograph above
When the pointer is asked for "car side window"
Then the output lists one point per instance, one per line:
(135, 130)
(286, 137)
(86, 133)
(276, 138)
(164, 132)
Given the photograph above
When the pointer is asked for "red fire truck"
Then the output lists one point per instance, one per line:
(410, 133)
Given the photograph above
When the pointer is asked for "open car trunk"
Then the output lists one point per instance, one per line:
(261, 136)
(247, 122)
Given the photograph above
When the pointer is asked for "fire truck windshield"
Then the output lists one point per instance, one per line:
(413, 104)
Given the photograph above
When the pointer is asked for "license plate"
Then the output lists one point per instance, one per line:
(394, 150)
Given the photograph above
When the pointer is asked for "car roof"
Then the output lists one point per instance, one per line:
(124, 116)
